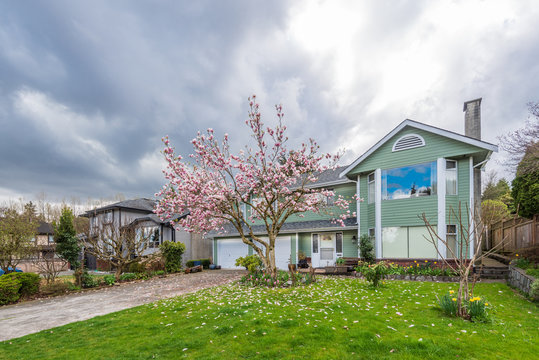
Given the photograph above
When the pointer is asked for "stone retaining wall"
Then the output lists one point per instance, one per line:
(519, 279)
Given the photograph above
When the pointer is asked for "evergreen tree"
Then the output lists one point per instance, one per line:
(67, 245)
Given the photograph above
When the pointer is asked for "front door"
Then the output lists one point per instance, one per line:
(327, 249)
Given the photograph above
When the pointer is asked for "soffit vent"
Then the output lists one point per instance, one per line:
(408, 142)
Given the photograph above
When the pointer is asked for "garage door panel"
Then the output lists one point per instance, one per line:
(229, 250)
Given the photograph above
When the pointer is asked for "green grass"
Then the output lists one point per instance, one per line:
(333, 319)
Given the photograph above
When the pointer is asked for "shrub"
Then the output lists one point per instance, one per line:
(281, 280)
(128, 276)
(251, 262)
(109, 279)
(533, 272)
(172, 253)
(521, 263)
(160, 272)
(143, 276)
(366, 248)
(448, 303)
(205, 263)
(71, 286)
(9, 289)
(136, 267)
(57, 287)
(29, 283)
(374, 272)
(534, 290)
(190, 263)
(88, 281)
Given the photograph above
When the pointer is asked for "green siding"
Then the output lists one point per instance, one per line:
(435, 146)
(400, 212)
(348, 247)
(293, 248)
(366, 214)
(346, 190)
(304, 243)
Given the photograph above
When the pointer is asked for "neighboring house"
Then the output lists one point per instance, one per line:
(46, 249)
(139, 212)
(415, 169)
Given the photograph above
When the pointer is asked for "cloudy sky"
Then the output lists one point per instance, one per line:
(89, 88)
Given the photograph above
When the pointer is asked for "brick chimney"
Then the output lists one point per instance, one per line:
(472, 118)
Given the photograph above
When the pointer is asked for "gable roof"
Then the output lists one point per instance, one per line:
(429, 128)
(330, 177)
(45, 228)
(141, 204)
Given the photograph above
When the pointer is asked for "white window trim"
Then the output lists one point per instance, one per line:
(409, 147)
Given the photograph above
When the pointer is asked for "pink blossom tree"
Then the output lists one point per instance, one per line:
(265, 184)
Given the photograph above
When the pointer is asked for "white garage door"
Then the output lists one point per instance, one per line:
(282, 252)
(228, 250)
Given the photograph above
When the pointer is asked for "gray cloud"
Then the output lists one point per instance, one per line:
(87, 90)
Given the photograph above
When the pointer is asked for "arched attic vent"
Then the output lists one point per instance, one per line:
(408, 142)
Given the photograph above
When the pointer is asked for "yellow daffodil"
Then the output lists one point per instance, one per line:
(426, 261)
(451, 292)
(486, 304)
(454, 299)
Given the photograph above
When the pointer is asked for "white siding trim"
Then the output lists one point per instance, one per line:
(378, 212)
(358, 210)
(472, 209)
(442, 228)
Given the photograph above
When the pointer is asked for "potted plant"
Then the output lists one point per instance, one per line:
(339, 268)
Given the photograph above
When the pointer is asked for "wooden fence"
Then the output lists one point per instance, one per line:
(517, 234)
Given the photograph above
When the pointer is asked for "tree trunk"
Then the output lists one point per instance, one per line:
(118, 272)
(271, 268)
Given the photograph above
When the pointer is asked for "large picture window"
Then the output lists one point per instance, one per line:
(409, 181)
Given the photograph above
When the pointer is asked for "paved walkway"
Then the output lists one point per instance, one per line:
(33, 316)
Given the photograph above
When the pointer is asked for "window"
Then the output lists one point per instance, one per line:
(153, 237)
(330, 200)
(409, 181)
(338, 243)
(315, 243)
(451, 238)
(451, 177)
(107, 217)
(371, 233)
(372, 188)
(407, 242)
(51, 239)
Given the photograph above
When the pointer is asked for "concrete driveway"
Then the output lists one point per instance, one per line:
(33, 316)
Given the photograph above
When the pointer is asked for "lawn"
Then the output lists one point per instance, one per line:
(336, 318)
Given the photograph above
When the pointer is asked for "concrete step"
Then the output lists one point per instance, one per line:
(493, 272)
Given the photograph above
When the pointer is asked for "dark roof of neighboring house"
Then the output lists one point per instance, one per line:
(156, 219)
(300, 226)
(141, 204)
(331, 176)
(45, 228)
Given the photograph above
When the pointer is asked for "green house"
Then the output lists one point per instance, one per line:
(415, 169)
